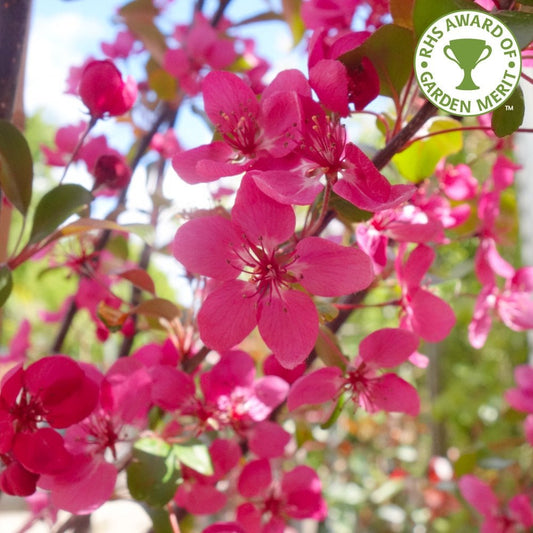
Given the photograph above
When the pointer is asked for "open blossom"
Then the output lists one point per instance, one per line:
(254, 244)
(497, 518)
(297, 495)
(103, 90)
(423, 312)
(54, 390)
(250, 130)
(322, 152)
(201, 45)
(372, 390)
(512, 303)
(121, 412)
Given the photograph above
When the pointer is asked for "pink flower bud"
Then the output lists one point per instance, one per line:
(111, 172)
(103, 90)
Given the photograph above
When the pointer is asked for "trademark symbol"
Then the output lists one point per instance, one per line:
(509, 107)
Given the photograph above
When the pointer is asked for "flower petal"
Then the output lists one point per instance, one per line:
(319, 386)
(478, 494)
(388, 347)
(393, 394)
(289, 326)
(260, 217)
(268, 440)
(433, 318)
(220, 329)
(255, 478)
(325, 268)
(204, 246)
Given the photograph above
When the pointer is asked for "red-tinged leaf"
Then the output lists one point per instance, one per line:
(507, 118)
(6, 284)
(158, 307)
(402, 12)
(16, 166)
(140, 278)
(55, 207)
(392, 63)
(327, 349)
(139, 15)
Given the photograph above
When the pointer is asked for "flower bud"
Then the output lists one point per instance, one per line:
(103, 90)
(111, 172)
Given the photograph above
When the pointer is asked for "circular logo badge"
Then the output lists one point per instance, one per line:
(467, 63)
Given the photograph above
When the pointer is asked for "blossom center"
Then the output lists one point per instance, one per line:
(240, 132)
(323, 143)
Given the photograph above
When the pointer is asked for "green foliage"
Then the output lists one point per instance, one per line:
(420, 159)
(55, 207)
(6, 284)
(427, 11)
(392, 63)
(509, 117)
(195, 455)
(16, 166)
(154, 473)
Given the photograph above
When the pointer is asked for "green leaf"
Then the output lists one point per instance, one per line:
(507, 118)
(418, 161)
(520, 23)
(427, 11)
(346, 211)
(392, 63)
(55, 207)
(195, 455)
(154, 473)
(160, 520)
(16, 166)
(6, 284)
(526, 2)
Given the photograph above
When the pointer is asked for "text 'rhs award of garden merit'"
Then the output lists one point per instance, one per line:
(467, 63)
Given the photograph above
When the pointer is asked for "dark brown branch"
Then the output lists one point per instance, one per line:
(382, 158)
(14, 17)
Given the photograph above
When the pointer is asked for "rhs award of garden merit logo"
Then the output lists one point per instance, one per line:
(467, 63)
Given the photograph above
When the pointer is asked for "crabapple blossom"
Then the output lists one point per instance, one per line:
(384, 348)
(54, 390)
(103, 90)
(253, 243)
(271, 503)
(496, 517)
(425, 314)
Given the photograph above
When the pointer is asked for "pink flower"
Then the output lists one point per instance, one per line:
(234, 395)
(496, 518)
(253, 243)
(66, 140)
(250, 130)
(335, 84)
(330, 14)
(55, 390)
(425, 314)
(323, 152)
(122, 410)
(111, 172)
(201, 45)
(122, 47)
(513, 303)
(298, 495)
(104, 92)
(384, 348)
(521, 397)
(458, 182)
(198, 494)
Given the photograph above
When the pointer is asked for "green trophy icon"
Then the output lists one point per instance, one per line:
(467, 53)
